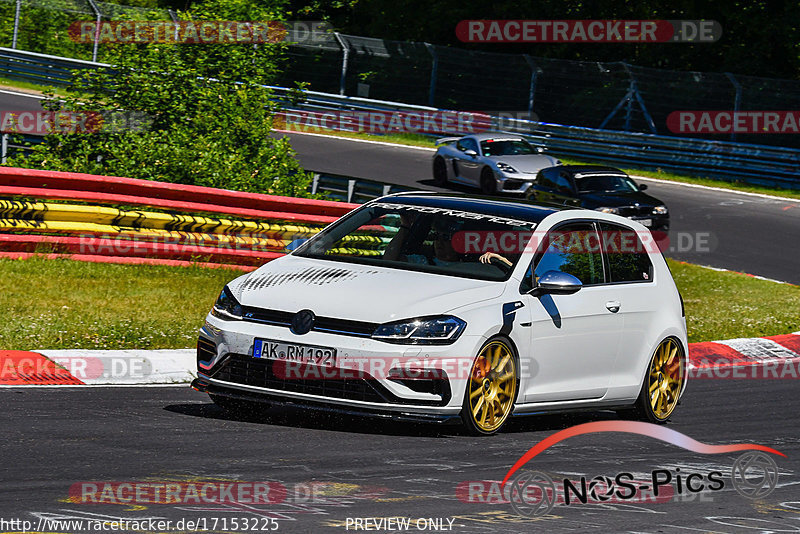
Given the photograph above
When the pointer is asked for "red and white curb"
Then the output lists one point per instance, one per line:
(756, 358)
(97, 367)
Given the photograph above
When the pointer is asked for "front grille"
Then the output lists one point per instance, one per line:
(327, 325)
(512, 184)
(633, 211)
(265, 373)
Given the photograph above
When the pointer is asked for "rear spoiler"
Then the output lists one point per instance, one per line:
(444, 140)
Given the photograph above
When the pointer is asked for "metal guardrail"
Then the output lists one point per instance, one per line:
(41, 68)
(349, 189)
(724, 160)
(733, 162)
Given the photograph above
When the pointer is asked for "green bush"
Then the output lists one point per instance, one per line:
(208, 115)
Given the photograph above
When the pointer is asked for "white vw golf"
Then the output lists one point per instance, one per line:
(438, 307)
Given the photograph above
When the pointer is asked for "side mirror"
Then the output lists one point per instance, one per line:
(470, 153)
(642, 187)
(556, 283)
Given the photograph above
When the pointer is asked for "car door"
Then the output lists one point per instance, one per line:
(565, 193)
(469, 167)
(545, 189)
(630, 272)
(574, 339)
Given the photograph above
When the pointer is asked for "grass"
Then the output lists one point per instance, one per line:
(29, 87)
(725, 305)
(428, 142)
(64, 304)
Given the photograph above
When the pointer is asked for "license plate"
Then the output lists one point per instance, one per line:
(294, 352)
(645, 222)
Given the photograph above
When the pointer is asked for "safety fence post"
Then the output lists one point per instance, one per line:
(737, 99)
(345, 60)
(434, 72)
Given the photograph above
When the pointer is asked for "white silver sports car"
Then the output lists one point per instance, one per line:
(492, 162)
(444, 307)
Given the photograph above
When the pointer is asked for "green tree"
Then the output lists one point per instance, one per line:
(759, 37)
(209, 114)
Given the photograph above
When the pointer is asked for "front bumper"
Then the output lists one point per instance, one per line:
(516, 183)
(370, 375)
(204, 385)
(653, 222)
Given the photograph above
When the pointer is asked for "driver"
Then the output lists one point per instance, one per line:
(442, 252)
(487, 258)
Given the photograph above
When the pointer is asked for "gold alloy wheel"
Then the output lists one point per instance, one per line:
(492, 386)
(665, 379)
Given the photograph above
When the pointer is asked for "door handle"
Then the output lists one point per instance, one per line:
(613, 306)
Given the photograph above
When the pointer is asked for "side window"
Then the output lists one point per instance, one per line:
(573, 248)
(548, 178)
(467, 144)
(563, 184)
(628, 260)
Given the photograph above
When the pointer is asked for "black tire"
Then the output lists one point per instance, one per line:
(475, 419)
(643, 409)
(239, 408)
(488, 183)
(439, 171)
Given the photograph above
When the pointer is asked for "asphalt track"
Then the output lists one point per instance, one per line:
(54, 438)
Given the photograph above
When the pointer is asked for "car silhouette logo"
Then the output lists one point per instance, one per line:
(302, 322)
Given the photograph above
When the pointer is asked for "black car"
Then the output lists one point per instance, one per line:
(599, 188)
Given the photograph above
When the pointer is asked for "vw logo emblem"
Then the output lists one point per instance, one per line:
(303, 322)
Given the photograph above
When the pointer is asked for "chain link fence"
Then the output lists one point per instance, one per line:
(42, 26)
(606, 95)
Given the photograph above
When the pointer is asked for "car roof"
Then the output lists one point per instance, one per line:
(508, 208)
(591, 169)
(497, 136)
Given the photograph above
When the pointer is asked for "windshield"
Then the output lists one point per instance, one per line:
(606, 183)
(424, 238)
(506, 147)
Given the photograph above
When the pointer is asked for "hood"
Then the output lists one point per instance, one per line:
(530, 163)
(356, 292)
(614, 199)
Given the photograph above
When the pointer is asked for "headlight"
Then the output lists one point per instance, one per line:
(227, 307)
(505, 167)
(423, 331)
(660, 210)
(608, 210)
